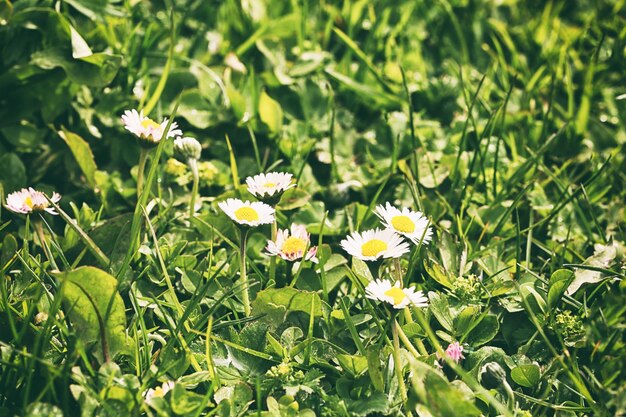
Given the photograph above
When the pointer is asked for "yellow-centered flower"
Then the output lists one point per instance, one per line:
(411, 224)
(398, 297)
(292, 246)
(374, 244)
(247, 213)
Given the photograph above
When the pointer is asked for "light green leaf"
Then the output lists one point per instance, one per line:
(82, 153)
(95, 309)
(526, 375)
(559, 281)
(278, 302)
(271, 113)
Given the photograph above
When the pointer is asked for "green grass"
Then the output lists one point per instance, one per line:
(503, 122)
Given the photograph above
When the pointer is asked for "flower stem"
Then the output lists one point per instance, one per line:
(37, 224)
(272, 277)
(141, 167)
(397, 366)
(193, 164)
(397, 269)
(244, 278)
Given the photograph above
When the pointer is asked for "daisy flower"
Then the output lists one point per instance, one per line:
(292, 247)
(373, 244)
(29, 200)
(411, 224)
(247, 213)
(383, 290)
(265, 186)
(158, 392)
(147, 130)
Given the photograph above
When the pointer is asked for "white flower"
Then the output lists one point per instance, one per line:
(147, 129)
(247, 213)
(266, 185)
(158, 392)
(373, 244)
(382, 290)
(291, 248)
(29, 200)
(411, 224)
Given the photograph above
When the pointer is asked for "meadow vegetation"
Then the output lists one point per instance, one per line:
(312, 208)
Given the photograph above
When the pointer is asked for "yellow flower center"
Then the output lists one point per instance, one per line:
(397, 294)
(246, 214)
(269, 185)
(293, 245)
(373, 247)
(403, 224)
(158, 392)
(29, 202)
(149, 123)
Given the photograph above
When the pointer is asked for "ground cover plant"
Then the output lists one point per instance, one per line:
(312, 208)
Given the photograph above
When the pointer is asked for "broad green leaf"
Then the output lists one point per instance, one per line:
(526, 375)
(271, 113)
(559, 281)
(353, 364)
(374, 369)
(362, 271)
(535, 301)
(278, 302)
(12, 172)
(82, 153)
(485, 331)
(184, 402)
(294, 198)
(95, 308)
(441, 310)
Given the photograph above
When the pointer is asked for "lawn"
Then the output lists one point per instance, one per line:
(312, 208)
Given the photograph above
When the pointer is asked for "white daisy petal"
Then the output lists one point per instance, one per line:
(374, 244)
(29, 200)
(399, 298)
(247, 213)
(270, 184)
(411, 224)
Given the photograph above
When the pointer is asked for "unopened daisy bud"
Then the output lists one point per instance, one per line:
(29, 200)
(187, 148)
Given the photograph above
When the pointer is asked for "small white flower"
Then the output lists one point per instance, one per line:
(158, 392)
(266, 185)
(29, 200)
(247, 213)
(382, 290)
(291, 248)
(373, 244)
(233, 62)
(411, 224)
(147, 129)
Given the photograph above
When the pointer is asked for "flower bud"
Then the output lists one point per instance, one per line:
(188, 148)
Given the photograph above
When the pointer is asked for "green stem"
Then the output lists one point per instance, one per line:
(397, 365)
(141, 167)
(244, 278)
(273, 258)
(193, 164)
(397, 270)
(42, 241)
